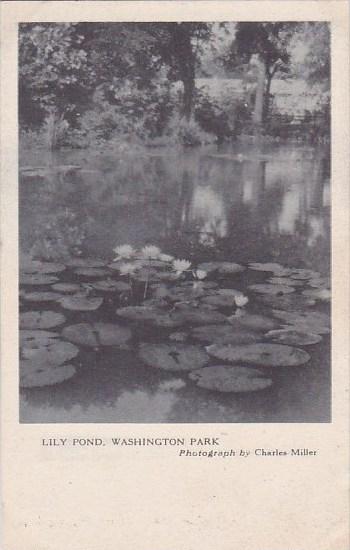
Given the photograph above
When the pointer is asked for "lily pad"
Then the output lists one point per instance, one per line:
(291, 302)
(273, 267)
(41, 296)
(200, 316)
(85, 262)
(307, 321)
(225, 268)
(167, 276)
(284, 281)
(264, 355)
(293, 337)
(42, 268)
(252, 321)
(282, 271)
(173, 357)
(93, 272)
(185, 294)
(229, 268)
(37, 279)
(322, 294)
(54, 352)
(44, 376)
(97, 334)
(223, 334)
(140, 313)
(151, 314)
(66, 288)
(277, 290)
(209, 267)
(224, 378)
(319, 282)
(111, 286)
(220, 300)
(40, 319)
(36, 337)
(80, 303)
(304, 274)
(168, 320)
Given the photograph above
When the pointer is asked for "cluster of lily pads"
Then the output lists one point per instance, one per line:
(201, 325)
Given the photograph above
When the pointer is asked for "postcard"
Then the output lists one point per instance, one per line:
(175, 275)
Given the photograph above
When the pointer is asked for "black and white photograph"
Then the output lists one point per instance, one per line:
(174, 222)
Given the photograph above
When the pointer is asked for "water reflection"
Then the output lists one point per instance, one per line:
(265, 205)
(130, 406)
(208, 212)
(271, 202)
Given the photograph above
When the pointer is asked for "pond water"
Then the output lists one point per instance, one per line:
(237, 204)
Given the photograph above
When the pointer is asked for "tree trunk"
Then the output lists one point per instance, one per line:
(189, 85)
(186, 61)
(53, 121)
(54, 127)
(269, 77)
(259, 96)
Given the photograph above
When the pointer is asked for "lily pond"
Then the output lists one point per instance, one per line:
(175, 286)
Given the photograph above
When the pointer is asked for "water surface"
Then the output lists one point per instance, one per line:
(241, 204)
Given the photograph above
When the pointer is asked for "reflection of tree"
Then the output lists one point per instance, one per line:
(52, 223)
(250, 210)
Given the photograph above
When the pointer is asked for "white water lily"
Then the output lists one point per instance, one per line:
(200, 274)
(127, 269)
(151, 252)
(124, 251)
(181, 265)
(241, 301)
(166, 258)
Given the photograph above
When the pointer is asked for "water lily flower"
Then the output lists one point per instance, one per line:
(241, 301)
(200, 274)
(166, 257)
(151, 252)
(181, 265)
(124, 251)
(127, 269)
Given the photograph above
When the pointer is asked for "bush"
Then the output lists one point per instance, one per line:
(212, 118)
(122, 112)
(188, 132)
(224, 116)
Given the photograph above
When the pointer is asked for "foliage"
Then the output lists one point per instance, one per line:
(314, 64)
(269, 44)
(178, 46)
(212, 117)
(187, 132)
(86, 84)
(53, 69)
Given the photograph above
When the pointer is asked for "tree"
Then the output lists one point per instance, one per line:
(312, 54)
(178, 46)
(269, 44)
(54, 72)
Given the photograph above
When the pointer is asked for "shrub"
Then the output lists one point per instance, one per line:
(224, 116)
(188, 132)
